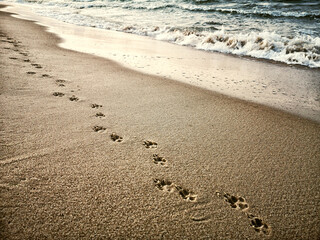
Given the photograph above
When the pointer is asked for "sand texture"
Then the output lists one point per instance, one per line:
(92, 150)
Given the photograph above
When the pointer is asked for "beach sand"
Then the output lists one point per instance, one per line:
(186, 163)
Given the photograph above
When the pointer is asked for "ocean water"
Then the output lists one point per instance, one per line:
(285, 31)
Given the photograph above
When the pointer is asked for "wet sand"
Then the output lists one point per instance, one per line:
(92, 150)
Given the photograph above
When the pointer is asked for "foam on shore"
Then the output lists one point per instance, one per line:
(291, 89)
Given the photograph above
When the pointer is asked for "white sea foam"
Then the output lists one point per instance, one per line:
(169, 21)
(268, 45)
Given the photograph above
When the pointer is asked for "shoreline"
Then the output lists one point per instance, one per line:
(259, 81)
(154, 158)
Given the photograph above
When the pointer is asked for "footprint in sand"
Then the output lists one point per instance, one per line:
(13, 58)
(61, 82)
(159, 160)
(73, 98)
(98, 128)
(150, 144)
(58, 94)
(45, 75)
(235, 202)
(36, 65)
(168, 186)
(164, 185)
(186, 194)
(116, 138)
(94, 105)
(259, 225)
(31, 73)
(26, 60)
(100, 115)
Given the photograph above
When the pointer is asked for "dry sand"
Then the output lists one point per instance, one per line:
(215, 167)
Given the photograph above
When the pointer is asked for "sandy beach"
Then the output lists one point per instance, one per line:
(93, 150)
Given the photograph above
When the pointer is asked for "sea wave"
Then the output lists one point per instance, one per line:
(301, 50)
(253, 12)
(207, 32)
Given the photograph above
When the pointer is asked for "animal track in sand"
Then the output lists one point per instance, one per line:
(100, 115)
(116, 138)
(31, 73)
(150, 144)
(13, 58)
(60, 81)
(36, 65)
(94, 105)
(166, 185)
(73, 98)
(240, 203)
(26, 60)
(159, 160)
(98, 128)
(58, 94)
(186, 194)
(45, 75)
(235, 202)
(259, 225)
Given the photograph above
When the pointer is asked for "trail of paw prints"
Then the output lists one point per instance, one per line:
(158, 159)
(17, 46)
(116, 138)
(259, 225)
(150, 144)
(240, 203)
(168, 186)
(73, 98)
